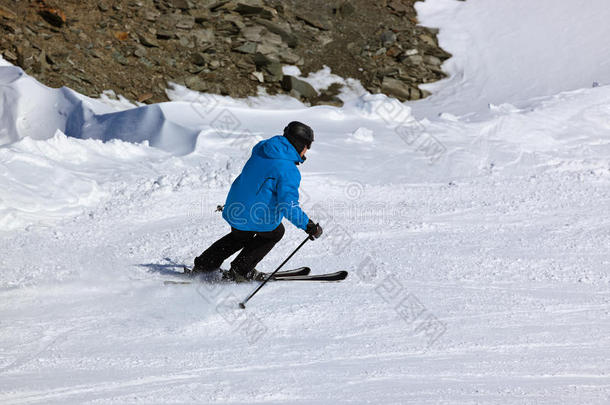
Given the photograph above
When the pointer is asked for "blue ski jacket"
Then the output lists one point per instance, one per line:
(267, 189)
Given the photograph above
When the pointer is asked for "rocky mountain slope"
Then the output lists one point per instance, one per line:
(135, 47)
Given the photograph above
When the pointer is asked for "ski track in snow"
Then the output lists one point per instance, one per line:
(503, 240)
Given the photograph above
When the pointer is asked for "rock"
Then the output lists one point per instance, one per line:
(200, 15)
(235, 20)
(50, 59)
(140, 51)
(165, 34)
(12, 28)
(432, 60)
(393, 51)
(399, 89)
(288, 56)
(272, 39)
(398, 7)
(254, 33)
(103, 7)
(346, 8)
(53, 16)
(255, 8)
(143, 97)
(215, 64)
(261, 60)
(315, 20)
(196, 83)
(269, 49)
(151, 16)
(290, 39)
(200, 58)
(120, 58)
(9, 56)
(228, 27)
(427, 39)
(292, 83)
(415, 94)
(258, 76)
(204, 36)
(221, 4)
(414, 60)
(388, 38)
(275, 71)
(146, 63)
(245, 65)
(394, 87)
(185, 41)
(181, 4)
(195, 69)
(7, 13)
(147, 40)
(325, 99)
(186, 23)
(121, 35)
(248, 48)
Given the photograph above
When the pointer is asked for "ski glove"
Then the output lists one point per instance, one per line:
(314, 230)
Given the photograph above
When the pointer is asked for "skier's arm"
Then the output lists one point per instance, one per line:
(288, 199)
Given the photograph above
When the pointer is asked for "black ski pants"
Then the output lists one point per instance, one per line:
(254, 247)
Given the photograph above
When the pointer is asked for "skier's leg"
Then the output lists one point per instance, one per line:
(212, 257)
(256, 249)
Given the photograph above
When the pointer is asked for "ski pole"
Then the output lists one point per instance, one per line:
(242, 304)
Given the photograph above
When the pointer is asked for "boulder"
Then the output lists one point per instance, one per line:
(290, 83)
(396, 88)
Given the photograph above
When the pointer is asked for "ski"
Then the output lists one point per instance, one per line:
(286, 274)
(337, 276)
(299, 271)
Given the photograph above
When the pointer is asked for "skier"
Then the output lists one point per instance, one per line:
(266, 191)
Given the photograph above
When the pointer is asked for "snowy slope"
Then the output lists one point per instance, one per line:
(478, 248)
(513, 51)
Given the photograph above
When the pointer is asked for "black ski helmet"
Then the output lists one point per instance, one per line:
(299, 135)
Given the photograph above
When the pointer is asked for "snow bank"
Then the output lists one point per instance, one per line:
(29, 109)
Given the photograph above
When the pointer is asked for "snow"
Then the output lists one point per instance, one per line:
(474, 225)
(513, 51)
